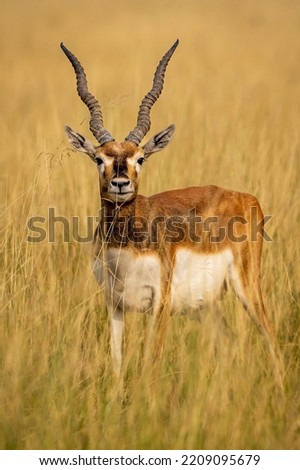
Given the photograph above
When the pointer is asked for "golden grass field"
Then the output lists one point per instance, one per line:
(233, 91)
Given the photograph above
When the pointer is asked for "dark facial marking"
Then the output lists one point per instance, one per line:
(120, 166)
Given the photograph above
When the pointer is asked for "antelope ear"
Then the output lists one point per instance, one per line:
(158, 141)
(80, 143)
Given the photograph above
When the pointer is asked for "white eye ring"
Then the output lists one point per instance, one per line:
(141, 160)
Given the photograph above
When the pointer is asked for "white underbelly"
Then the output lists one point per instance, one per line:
(133, 282)
(197, 279)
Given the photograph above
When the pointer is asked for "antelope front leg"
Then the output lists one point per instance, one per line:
(116, 317)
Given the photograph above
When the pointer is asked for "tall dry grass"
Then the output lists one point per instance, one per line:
(233, 90)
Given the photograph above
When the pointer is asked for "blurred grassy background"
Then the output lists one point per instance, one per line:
(233, 90)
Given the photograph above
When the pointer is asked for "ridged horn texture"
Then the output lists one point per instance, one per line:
(143, 119)
(96, 120)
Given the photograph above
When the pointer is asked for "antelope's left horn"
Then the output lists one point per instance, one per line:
(143, 120)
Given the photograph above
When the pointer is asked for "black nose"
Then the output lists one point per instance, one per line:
(120, 183)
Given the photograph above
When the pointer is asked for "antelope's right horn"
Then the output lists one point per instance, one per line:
(96, 120)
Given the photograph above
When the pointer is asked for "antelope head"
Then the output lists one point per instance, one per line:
(119, 164)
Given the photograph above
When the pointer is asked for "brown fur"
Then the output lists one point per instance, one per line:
(206, 201)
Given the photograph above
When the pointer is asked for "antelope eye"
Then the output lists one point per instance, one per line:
(141, 161)
(99, 161)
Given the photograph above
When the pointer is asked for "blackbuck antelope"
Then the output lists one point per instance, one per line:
(172, 252)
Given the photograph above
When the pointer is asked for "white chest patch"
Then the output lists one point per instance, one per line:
(132, 282)
(197, 278)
